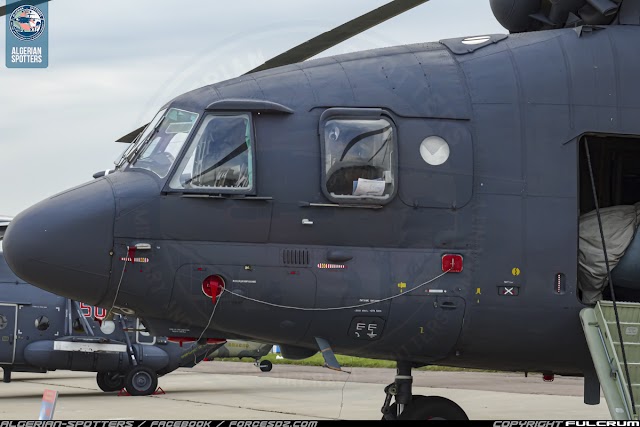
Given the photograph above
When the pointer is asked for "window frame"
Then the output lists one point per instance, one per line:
(252, 191)
(357, 114)
(136, 151)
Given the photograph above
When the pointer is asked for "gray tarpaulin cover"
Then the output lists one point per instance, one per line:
(619, 224)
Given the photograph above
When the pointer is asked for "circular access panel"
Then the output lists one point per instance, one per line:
(434, 150)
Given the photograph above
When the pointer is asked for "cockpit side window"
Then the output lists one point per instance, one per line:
(359, 159)
(220, 158)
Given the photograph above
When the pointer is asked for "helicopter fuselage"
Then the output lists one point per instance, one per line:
(503, 206)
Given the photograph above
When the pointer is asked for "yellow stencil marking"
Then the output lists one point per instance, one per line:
(515, 271)
(401, 286)
(478, 291)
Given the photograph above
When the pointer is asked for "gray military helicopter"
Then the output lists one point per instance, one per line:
(41, 332)
(418, 203)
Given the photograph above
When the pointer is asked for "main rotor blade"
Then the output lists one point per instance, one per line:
(131, 136)
(3, 9)
(325, 41)
(339, 34)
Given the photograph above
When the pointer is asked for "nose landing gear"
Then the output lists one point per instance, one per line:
(141, 381)
(264, 365)
(414, 407)
(110, 381)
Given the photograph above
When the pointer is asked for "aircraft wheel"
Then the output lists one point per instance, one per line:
(110, 381)
(141, 381)
(431, 408)
(265, 365)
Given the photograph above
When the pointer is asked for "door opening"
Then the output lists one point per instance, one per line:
(615, 162)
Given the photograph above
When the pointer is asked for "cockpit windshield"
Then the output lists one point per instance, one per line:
(161, 141)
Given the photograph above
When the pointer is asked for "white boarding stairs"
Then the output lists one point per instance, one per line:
(599, 324)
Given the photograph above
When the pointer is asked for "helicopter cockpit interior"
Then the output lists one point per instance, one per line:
(219, 157)
(359, 158)
(162, 140)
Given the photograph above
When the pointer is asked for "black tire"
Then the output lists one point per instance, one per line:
(141, 381)
(431, 408)
(110, 381)
(6, 376)
(265, 365)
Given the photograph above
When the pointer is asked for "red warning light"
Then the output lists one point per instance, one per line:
(452, 263)
(212, 287)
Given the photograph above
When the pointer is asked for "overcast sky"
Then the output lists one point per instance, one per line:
(112, 64)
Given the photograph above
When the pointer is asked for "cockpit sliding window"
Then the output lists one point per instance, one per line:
(162, 140)
(220, 158)
(359, 157)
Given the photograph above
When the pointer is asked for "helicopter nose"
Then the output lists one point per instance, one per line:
(62, 244)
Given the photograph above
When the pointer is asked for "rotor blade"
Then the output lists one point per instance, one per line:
(3, 9)
(339, 34)
(131, 136)
(326, 41)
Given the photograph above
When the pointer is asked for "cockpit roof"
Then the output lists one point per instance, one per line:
(358, 79)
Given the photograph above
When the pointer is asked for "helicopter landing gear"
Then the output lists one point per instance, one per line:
(410, 407)
(6, 378)
(110, 381)
(141, 381)
(264, 365)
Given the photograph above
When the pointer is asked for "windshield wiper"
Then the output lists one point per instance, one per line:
(143, 143)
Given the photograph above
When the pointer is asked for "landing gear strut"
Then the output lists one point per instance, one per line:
(410, 407)
(6, 378)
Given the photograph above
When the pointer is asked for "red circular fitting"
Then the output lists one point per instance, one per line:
(212, 287)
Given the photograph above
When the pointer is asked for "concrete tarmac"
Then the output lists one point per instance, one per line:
(227, 390)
